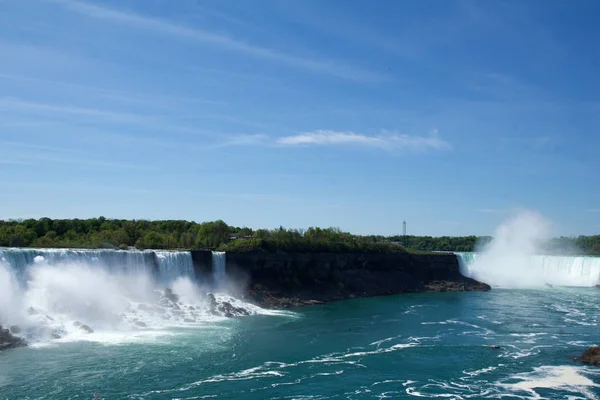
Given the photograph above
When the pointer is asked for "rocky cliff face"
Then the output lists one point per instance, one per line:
(280, 280)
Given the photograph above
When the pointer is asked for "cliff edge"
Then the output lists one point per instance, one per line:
(281, 280)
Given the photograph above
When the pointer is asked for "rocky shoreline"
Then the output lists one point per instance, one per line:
(273, 299)
(287, 280)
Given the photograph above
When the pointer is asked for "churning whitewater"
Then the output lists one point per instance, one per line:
(106, 295)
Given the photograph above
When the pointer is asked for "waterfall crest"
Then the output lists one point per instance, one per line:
(166, 266)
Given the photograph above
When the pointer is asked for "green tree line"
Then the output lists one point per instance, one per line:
(312, 240)
(115, 233)
(175, 234)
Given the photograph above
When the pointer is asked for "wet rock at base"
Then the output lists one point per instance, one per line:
(32, 311)
(86, 328)
(55, 335)
(168, 294)
(140, 324)
(212, 303)
(8, 341)
(230, 310)
(15, 329)
(77, 324)
(591, 356)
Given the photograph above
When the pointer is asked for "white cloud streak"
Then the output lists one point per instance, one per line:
(392, 141)
(142, 98)
(130, 19)
(16, 104)
(492, 211)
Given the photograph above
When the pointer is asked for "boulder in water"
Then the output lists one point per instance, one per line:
(55, 335)
(591, 356)
(32, 311)
(15, 329)
(212, 303)
(494, 346)
(86, 329)
(168, 293)
(230, 310)
(8, 341)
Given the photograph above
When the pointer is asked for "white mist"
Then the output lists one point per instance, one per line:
(506, 260)
(513, 260)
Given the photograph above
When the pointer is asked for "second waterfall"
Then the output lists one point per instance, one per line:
(218, 267)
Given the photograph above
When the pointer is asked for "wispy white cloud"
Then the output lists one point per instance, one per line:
(166, 122)
(138, 21)
(492, 210)
(26, 154)
(387, 141)
(244, 140)
(16, 104)
(161, 100)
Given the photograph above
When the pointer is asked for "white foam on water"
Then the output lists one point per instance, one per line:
(564, 378)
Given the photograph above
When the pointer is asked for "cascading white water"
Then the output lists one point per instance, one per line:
(50, 293)
(166, 266)
(512, 260)
(218, 266)
(577, 271)
(174, 264)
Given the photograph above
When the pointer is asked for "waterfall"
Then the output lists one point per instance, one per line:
(218, 267)
(70, 294)
(531, 271)
(174, 264)
(166, 266)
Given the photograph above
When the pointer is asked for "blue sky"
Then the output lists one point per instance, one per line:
(355, 114)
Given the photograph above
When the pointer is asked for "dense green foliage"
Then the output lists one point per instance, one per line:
(444, 243)
(580, 244)
(562, 245)
(113, 233)
(102, 232)
(312, 240)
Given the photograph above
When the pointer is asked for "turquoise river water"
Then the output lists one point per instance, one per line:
(422, 345)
